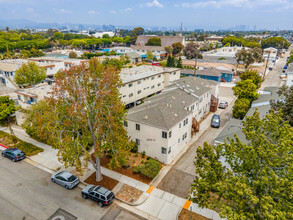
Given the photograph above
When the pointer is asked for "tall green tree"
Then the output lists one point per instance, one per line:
(191, 51)
(177, 48)
(276, 42)
(149, 55)
(7, 108)
(137, 31)
(253, 75)
(285, 103)
(249, 57)
(252, 180)
(179, 63)
(89, 115)
(241, 108)
(29, 74)
(246, 89)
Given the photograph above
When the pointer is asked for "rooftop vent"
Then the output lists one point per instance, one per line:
(146, 117)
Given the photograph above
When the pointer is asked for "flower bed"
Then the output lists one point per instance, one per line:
(129, 194)
(134, 159)
(187, 215)
(107, 182)
(13, 142)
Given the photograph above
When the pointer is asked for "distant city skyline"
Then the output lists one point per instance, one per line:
(195, 14)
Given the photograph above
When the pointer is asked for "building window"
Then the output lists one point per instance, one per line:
(187, 109)
(170, 134)
(192, 108)
(180, 125)
(164, 134)
(174, 73)
(178, 140)
(152, 87)
(159, 84)
(124, 96)
(185, 122)
(139, 91)
(137, 141)
(137, 127)
(159, 76)
(164, 150)
(131, 94)
(153, 78)
(130, 85)
(139, 82)
(169, 150)
(125, 124)
(184, 136)
(200, 99)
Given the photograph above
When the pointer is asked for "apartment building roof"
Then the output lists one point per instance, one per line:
(140, 72)
(164, 110)
(169, 108)
(133, 55)
(200, 86)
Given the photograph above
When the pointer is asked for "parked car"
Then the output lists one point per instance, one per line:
(223, 104)
(216, 121)
(14, 154)
(283, 76)
(99, 194)
(65, 179)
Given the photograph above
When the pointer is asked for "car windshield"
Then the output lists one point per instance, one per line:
(222, 103)
(72, 178)
(91, 189)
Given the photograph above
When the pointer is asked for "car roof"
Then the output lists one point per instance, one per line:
(14, 150)
(65, 174)
(223, 101)
(216, 116)
(102, 190)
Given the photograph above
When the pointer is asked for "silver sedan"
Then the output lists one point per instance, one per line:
(65, 179)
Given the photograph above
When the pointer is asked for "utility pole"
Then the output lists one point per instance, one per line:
(264, 74)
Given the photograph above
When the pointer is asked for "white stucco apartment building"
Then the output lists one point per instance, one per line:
(52, 66)
(289, 72)
(162, 126)
(142, 81)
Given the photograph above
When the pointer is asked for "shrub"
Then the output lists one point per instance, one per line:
(151, 168)
(222, 58)
(142, 161)
(135, 148)
(136, 154)
(133, 161)
(143, 154)
(124, 163)
(136, 169)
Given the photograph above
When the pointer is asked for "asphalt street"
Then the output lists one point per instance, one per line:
(26, 192)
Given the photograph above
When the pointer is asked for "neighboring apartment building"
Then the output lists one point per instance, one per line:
(289, 72)
(142, 81)
(52, 66)
(162, 126)
(158, 51)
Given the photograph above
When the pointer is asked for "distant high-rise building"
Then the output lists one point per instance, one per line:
(254, 28)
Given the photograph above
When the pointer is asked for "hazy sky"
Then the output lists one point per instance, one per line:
(198, 13)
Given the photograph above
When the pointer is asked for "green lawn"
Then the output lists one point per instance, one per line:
(11, 141)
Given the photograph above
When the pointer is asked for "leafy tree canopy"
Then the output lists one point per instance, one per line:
(240, 108)
(7, 107)
(191, 51)
(253, 75)
(177, 47)
(246, 89)
(254, 180)
(154, 41)
(285, 103)
(137, 31)
(276, 42)
(29, 74)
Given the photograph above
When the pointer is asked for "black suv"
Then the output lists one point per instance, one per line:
(14, 154)
(99, 194)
